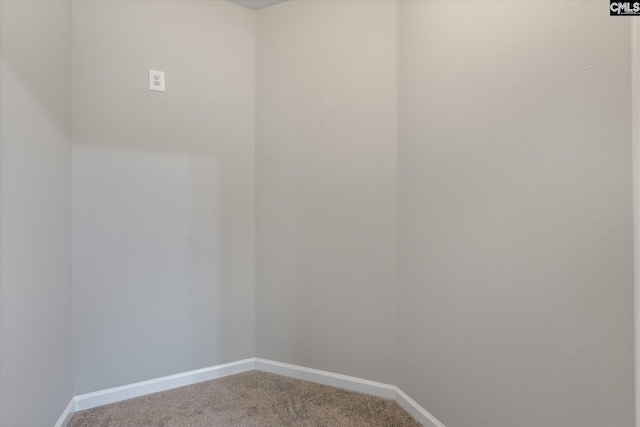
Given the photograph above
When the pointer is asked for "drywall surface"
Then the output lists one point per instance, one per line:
(35, 212)
(163, 189)
(326, 186)
(515, 212)
(635, 111)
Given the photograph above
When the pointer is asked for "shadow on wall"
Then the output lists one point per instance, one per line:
(162, 261)
(33, 71)
(148, 263)
(148, 242)
(163, 189)
(35, 98)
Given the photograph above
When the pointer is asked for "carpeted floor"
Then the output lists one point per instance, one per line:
(250, 399)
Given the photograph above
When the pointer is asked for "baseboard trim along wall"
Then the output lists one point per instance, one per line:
(346, 382)
(327, 378)
(67, 414)
(416, 411)
(117, 394)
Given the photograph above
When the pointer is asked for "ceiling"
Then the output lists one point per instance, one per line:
(256, 4)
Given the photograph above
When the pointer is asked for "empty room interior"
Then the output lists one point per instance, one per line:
(338, 213)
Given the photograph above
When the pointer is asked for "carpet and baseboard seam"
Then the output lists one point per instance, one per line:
(117, 394)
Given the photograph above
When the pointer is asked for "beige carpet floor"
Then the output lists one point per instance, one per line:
(250, 399)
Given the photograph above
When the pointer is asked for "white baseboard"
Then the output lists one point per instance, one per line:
(327, 378)
(67, 414)
(416, 411)
(116, 394)
(346, 382)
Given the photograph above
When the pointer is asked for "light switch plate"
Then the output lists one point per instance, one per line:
(156, 80)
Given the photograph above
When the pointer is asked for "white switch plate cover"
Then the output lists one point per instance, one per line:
(156, 80)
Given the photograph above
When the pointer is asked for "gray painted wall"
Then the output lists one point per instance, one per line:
(516, 290)
(163, 193)
(326, 186)
(35, 212)
(511, 173)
